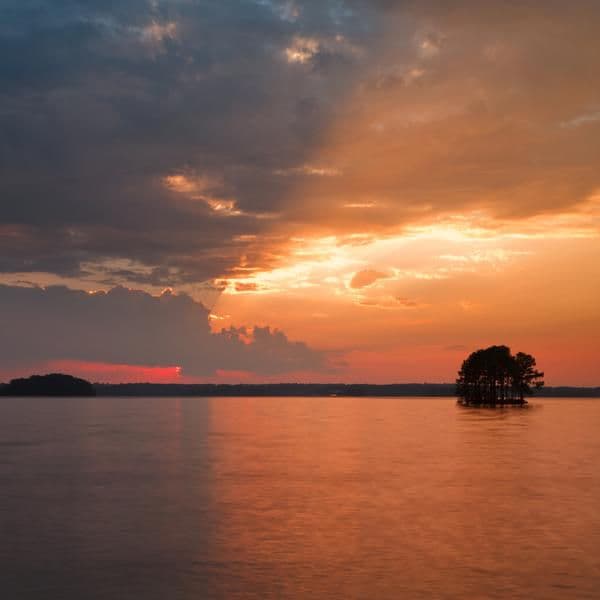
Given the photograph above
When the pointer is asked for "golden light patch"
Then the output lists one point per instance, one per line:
(201, 188)
(302, 50)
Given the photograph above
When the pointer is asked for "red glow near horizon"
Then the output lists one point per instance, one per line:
(356, 367)
(98, 372)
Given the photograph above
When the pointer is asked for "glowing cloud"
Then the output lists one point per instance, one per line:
(302, 50)
(366, 278)
(199, 188)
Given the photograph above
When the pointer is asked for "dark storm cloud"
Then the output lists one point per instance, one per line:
(422, 110)
(131, 327)
(102, 100)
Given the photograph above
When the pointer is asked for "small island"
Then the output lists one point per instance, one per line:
(494, 377)
(54, 384)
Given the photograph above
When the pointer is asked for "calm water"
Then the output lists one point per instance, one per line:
(298, 498)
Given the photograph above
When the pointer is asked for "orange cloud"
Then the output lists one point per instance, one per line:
(366, 278)
(245, 287)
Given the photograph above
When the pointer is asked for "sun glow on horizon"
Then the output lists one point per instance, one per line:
(455, 245)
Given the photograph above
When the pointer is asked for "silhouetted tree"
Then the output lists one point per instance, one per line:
(494, 376)
(527, 376)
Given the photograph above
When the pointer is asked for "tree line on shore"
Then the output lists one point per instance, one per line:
(487, 377)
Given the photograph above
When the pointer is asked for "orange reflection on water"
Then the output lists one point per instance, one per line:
(377, 498)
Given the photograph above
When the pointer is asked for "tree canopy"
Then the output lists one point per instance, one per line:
(493, 376)
(55, 384)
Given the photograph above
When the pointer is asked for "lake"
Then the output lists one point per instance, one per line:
(167, 498)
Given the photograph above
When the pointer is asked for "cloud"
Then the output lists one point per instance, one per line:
(478, 96)
(302, 50)
(114, 117)
(583, 119)
(314, 171)
(245, 287)
(135, 328)
(187, 137)
(366, 278)
(407, 302)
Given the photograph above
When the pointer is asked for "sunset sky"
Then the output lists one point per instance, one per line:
(298, 190)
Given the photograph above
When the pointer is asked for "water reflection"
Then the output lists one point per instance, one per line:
(380, 498)
(295, 498)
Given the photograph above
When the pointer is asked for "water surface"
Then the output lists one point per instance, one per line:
(166, 498)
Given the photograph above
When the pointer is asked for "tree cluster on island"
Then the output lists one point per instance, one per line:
(494, 377)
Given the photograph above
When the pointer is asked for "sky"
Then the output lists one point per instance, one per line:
(298, 190)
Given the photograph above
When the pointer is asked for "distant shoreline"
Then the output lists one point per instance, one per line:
(314, 389)
(442, 390)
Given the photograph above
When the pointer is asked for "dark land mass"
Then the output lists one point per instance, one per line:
(65, 385)
(495, 377)
(275, 389)
(55, 384)
(312, 389)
